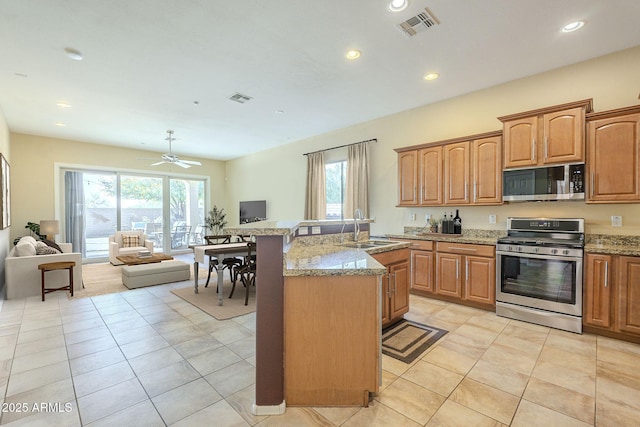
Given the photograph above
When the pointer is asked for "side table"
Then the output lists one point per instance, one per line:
(53, 266)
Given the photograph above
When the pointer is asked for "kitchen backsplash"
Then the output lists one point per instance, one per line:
(474, 233)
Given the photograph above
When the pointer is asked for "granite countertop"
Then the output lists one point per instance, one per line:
(612, 249)
(335, 259)
(477, 237)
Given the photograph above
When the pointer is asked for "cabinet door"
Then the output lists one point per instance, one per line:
(563, 136)
(448, 275)
(422, 271)
(614, 159)
(520, 148)
(430, 160)
(480, 280)
(400, 292)
(486, 161)
(629, 295)
(456, 173)
(408, 178)
(597, 290)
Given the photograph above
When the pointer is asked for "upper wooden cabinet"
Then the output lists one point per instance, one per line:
(430, 166)
(546, 136)
(408, 178)
(613, 156)
(454, 172)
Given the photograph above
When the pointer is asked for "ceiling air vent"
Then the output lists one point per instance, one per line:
(240, 98)
(416, 24)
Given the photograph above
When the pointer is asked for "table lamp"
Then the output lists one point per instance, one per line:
(49, 228)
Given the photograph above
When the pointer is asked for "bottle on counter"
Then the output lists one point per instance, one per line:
(445, 224)
(457, 223)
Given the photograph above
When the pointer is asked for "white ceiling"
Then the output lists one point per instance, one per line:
(147, 61)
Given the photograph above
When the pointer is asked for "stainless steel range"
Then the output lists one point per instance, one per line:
(539, 272)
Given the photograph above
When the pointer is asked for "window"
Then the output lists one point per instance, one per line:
(170, 211)
(336, 174)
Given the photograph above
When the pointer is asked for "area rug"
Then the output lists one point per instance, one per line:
(406, 340)
(104, 278)
(207, 300)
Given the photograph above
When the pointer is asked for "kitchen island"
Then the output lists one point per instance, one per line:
(317, 315)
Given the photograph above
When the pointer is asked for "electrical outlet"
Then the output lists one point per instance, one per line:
(315, 230)
(492, 219)
(303, 231)
(427, 217)
(616, 221)
(413, 217)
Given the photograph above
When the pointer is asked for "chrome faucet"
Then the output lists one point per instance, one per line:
(357, 215)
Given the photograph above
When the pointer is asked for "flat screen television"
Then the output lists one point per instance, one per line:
(253, 211)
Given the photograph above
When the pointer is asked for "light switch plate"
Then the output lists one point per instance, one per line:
(303, 231)
(413, 217)
(315, 230)
(492, 219)
(616, 221)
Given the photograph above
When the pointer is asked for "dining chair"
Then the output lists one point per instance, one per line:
(247, 271)
(228, 263)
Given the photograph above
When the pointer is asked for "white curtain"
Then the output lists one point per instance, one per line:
(357, 191)
(315, 206)
(74, 211)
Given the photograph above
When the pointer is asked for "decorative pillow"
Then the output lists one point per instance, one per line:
(52, 244)
(26, 246)
(120, 234)
(43, 249)
(130, 241)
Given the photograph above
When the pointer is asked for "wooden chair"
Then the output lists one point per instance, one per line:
(228, 263)
(247, 271)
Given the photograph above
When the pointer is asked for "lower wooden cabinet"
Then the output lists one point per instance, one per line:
(395, 284)
(466, 273)
(611, 296)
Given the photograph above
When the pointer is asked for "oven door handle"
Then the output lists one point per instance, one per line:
(528, 255)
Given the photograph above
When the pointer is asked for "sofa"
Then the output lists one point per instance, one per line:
(128, 243)
(22, 277)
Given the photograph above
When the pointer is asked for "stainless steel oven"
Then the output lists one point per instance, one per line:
(539, 272)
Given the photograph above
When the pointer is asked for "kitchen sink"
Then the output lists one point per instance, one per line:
(368, 244)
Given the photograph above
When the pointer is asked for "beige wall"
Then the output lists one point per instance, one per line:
(4, 234)
(33, 169)
(278, 175)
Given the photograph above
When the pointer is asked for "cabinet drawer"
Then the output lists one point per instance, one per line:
(391, 257)
(466, 249)
(421, 245)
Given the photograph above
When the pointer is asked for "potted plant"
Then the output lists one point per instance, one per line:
(216, 220)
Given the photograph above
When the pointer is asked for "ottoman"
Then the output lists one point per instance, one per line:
(137, 276)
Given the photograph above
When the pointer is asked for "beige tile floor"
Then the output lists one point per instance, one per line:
(147, 358)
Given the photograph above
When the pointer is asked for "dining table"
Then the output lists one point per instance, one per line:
(220, 251)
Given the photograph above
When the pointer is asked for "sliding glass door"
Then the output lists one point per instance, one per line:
(97, 204)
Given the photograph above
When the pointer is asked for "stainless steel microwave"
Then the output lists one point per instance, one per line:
(562, 182)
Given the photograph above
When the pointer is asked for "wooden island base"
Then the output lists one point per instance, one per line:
(331, 340)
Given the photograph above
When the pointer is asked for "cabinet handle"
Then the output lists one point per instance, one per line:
(475, 191)
(533, 150)
(395, 284)
(462, 249)
(457, 269)
(546, 147)
(466, 188)
(467, 271)
(593, 174)
(606, 274)
(388, 285)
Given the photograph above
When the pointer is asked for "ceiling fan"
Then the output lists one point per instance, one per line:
(172, 158)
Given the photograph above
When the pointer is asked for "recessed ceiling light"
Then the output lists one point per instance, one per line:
(397, 5)
(63, 105)
(74, 54)
(431, 76)
(60, 124)
(573, 26)
(279, 111)
(353, 54)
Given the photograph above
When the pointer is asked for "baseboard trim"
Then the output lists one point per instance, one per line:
(259, 410)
